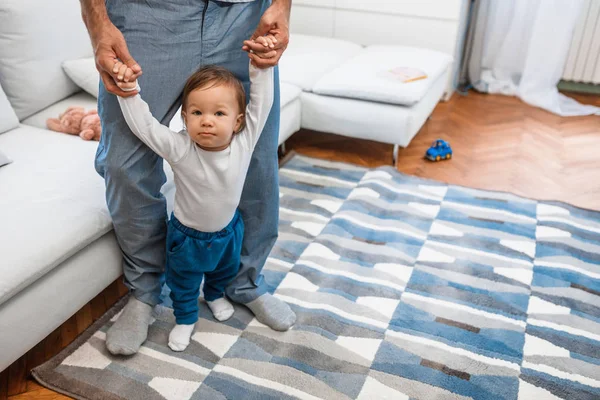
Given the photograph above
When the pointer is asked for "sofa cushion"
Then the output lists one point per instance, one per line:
(4, 160)
(84, 73)
(307, 58)
(367, 75)
(82, 99)
(60, 210)
(8, 118)
(35, 38)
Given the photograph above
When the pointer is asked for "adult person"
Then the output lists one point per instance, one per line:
(183, 35)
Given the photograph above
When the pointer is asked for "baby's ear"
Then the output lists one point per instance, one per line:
(239, 123)
(183, 118)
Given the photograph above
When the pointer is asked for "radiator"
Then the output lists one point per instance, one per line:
(583, 61)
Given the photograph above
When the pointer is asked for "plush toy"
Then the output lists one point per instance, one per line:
(76, 121)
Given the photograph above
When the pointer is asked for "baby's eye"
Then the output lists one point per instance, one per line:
(219, 113)
(196, 112)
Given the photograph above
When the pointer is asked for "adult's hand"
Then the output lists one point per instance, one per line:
(274, 21)
(109, 47)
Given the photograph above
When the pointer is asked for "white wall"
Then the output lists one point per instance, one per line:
(434, 24)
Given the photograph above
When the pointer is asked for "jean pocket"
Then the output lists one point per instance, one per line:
(176, 240)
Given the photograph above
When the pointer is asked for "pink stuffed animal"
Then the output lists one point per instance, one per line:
(76, 121)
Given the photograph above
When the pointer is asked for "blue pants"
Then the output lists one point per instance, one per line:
(171, 40)
(192, 255)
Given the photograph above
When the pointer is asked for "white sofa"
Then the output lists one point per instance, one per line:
(57, 247)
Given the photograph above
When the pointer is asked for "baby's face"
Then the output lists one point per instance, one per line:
(212, 116)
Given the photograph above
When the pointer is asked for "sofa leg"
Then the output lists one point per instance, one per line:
(281, 150)
(395, 155)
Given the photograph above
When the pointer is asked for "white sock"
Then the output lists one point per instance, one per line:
(221, 308)
(180, 335)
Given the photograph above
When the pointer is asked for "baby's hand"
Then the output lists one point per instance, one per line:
(124, 74)
(267, 41)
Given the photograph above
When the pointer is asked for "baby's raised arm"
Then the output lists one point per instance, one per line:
(171, 146)
(262, 89)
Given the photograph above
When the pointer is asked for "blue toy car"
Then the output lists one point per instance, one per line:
(439, 150)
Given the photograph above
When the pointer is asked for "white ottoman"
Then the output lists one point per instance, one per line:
(361, 99)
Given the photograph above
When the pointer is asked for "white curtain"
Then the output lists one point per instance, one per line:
(520, 48)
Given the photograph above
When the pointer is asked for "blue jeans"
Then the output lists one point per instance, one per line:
(192, 255)
(171, 40)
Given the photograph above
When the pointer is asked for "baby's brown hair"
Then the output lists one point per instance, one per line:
(210, 76)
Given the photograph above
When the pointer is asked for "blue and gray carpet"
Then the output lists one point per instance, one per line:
(404, 289)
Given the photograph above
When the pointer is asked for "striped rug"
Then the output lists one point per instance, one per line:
(404, 289)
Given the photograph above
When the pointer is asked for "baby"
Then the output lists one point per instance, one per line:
(210, 159)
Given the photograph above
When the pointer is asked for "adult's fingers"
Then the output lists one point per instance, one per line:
(264, 26)
(263, 62)
(258, 48)
(265, 55)
(111, 50)
(106, 62)
(280, 43)
(282, 37)
(123, 54)
(111, 86)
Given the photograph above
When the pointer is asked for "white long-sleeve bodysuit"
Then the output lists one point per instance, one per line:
(208, 184)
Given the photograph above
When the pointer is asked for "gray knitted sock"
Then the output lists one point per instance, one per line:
(272, 312)
(131, 328)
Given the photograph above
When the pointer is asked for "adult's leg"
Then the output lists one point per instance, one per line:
(226, 26)
(163, 39)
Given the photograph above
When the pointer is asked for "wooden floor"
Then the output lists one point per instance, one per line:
(15, 382)
(499, 143)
